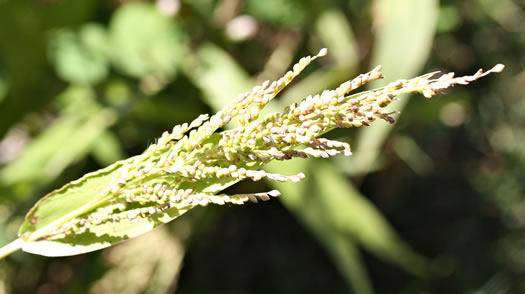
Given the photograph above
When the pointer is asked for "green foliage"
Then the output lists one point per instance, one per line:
(154, 47)
(78, 198)
(278, 12)
(81, 58)
(190, 165)
(3, 85)
(440, 197)
(85, 57)
(64, 141)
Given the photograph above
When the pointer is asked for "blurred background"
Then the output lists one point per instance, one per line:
(432, 204)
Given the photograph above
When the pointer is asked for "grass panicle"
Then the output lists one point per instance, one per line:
(180, 168)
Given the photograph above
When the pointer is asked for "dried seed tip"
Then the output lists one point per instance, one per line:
(274, 193)
(498, 68)
(376, 74)
(322, 52)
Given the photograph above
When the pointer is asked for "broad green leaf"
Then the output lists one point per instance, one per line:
(66, 140)
(41, 233)
(77, 198)
(154, 47)
(346, 256)
(72, 200)
(80, 57)
(24, 28)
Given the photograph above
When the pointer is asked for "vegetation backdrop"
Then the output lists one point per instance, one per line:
(433, 204)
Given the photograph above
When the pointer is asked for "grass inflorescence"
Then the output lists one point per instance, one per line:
(190, 165)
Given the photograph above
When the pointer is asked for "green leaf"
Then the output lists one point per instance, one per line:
(329, 214)
(154, 47)
(66, 140)
(43, 229)
(107, 149)
(402, 55)
(287, 13)
(336, 212)
(333, 29)
(76, 199)
(80, 58)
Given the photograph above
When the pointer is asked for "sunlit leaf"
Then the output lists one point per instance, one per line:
(67, 139)
(80, 58)
(47, 228)
(106, 149)
(218, 75)
(334, 30)
(153, 47)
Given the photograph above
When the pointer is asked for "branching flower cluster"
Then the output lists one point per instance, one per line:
(185, 164)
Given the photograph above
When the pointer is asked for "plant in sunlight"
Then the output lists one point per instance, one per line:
(193, 163)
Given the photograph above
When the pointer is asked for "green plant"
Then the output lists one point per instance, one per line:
(187, 167)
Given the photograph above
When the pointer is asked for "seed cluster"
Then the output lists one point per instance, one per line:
(294, 132)
(152, 182)
(111, 213)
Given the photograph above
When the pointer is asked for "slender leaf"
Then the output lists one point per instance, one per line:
(402, 55)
